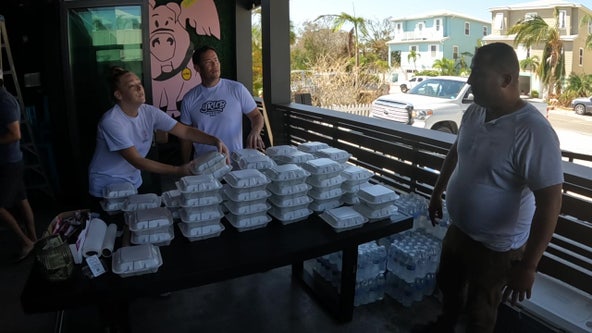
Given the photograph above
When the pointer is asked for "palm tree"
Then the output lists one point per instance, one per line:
(535, 31)
(413, 55)
(446, 66)
(530, 64)
(586, 20)
(462, 66)
(359, 24)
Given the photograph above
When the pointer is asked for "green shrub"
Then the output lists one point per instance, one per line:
(534, 94)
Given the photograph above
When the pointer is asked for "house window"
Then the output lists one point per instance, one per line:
(562, 19)
(398, 26)
(581, 57)
(455, 52)
(413, 48)
(467, 28)
(433, 50)
(484, 31)
(437, 23)
(530, 16)
(498, 22)
(419, 26)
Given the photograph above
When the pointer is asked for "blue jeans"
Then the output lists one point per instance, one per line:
(471, 278)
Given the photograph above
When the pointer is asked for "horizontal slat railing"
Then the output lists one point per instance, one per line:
(409, 159)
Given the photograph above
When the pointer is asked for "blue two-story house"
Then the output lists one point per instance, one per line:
(432, 36)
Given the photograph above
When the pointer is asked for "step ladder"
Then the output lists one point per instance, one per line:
(35, 175)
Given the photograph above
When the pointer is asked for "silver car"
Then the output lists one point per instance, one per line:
(582, 105)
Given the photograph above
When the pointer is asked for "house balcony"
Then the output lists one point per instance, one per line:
(416, 35)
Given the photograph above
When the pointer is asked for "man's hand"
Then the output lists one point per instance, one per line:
(520, 281)
(255, 141)
(435, 209)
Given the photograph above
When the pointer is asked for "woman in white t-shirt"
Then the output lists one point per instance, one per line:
(124, 137)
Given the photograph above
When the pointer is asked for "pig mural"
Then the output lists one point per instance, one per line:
(171, 47)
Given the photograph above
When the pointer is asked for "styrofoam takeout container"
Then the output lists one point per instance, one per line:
(291, 215)
(141, 201)
(356, 174)
(241, 195)
(259, 162)
(195, 233)
(171, 198)
(199, 183)
(200, 214)
(323, 166)
(136, 260)
(208, 162)
(278, 188)
(312, 146)
(238, 155)
(150, 218)
(375, 214)
(119, 190)
(336, 154)
(247, 207)
(343, 218)
(286, 172)
(246, 178)
(280, 150)
(248, 222)
(377, 195)
(297, 157)
(200, 199)
(159, 236)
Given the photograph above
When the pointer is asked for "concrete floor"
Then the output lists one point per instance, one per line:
(264, 302)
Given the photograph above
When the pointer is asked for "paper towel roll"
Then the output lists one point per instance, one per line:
(95, 235)
(109, 241)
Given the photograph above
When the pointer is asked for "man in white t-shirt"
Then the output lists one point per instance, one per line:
(503, 179)
(217, 106)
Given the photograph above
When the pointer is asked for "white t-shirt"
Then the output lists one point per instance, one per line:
(117, 131)
(489, 194)
(218, 111)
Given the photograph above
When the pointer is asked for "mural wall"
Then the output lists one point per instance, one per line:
(173, 26)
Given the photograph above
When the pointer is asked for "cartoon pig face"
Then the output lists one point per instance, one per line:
(169, 42)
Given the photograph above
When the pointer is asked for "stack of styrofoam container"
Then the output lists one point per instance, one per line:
(150, 226)
(325, 179)
(355, 178)
(249, 158)
(211, 163)
(200, 207)
(246, 199)
(141, 201)
(377, 202)
(289, 199)
(115, 194)
(370, 273)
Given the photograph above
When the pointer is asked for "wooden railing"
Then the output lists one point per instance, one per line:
(409, 159)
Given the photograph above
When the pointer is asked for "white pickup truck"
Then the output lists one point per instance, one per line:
(437, 103)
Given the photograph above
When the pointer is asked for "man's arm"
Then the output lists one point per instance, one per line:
(12, 134)
(134, 158)
(548, 206)
(254, 139)
(189, 134)
(435, 207)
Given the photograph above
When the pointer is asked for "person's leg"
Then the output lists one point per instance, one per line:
(451, 282)
(488, 274)
(451, 276)
(13, 192)
(8, 218)
(27, 212)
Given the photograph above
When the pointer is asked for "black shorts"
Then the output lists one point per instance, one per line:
(12, 185)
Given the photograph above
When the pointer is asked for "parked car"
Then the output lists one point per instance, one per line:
(405, 86)
(582, 105)
(436, 103)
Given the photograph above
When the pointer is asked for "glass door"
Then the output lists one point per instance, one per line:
(97, 35)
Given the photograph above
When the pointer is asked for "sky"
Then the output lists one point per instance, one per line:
(303, 10)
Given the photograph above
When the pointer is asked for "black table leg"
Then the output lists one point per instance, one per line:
(115, 316)
(349, 266)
